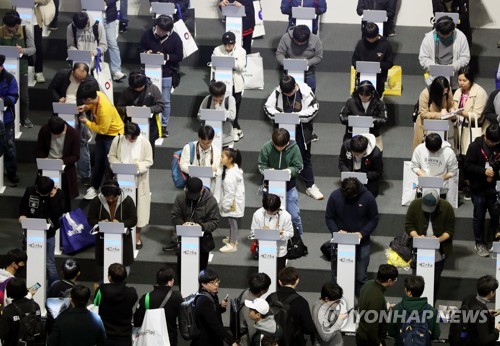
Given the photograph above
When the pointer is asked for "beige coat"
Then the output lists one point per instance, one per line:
(143, 165)
(45, 11)
(426, 111)
(474, 106)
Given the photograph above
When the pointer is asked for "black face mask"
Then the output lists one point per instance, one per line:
(20, 269)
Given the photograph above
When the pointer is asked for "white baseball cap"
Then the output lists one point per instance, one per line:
(259, 304)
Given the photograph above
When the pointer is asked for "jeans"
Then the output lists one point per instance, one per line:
(166, 86)
(362, 262)
(292, 206)
(83, 164)
(102, 146)
(10, 155)
(482, 203)
(124, 11)
(310, 80)
(24, 99)
(51, 261)
(113, 49)
(37, 35)
(307, 171)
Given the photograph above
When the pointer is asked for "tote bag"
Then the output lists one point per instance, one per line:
(188, 44)
(253, 74)
(75, 232)
(102, 74)
(259, 30)
(153, 331)
(410, 184)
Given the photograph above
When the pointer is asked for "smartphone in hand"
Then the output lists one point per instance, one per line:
(34, 288)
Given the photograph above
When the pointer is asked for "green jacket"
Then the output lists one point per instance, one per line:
(403, 311)
(290, 158)
(371, 298)
(443, 220)
(28, 44)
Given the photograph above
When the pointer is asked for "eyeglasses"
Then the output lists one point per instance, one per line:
(215, 282)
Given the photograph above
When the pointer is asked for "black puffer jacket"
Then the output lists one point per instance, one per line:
(377, 110)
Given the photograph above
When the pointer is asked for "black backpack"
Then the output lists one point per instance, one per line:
(234, 316)
(31, 328)
(459, 328)
(296, 248)
(95, 30)
(281, 312)
(188, 325)
(3, 142)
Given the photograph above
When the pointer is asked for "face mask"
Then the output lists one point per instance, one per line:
(20, 269)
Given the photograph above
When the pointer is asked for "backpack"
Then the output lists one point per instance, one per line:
(179, 177)
(459, 329)
(3, 142)
(188, 324)
(95, 30)
(281, 312)
(415, 330)
(296, 248)
(234, 316)
(31, 329)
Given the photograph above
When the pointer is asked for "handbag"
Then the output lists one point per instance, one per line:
(410, 184)
(259, 29)
(253, 73)
(394, 84)
(176, 77)
(154, 329)
(75, 232)
(475, 131)
(188, 44)
(102, 74)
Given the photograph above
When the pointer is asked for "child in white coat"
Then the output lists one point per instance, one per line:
(232, 202)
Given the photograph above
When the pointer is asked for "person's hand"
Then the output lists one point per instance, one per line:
(115, 220)
(105, 220)
(342, 231)
(223, 303)
(53, 192)
(19, 49)
(62, 100)
(444, 112)
(343, 316)
(149, 51)
(82, 119)
(234, 344)
(223, 3)
(21, 218)
(236, 3)
(489, 172)
(359, 235)
(81, 108)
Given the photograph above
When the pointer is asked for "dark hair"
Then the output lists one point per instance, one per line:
(137, 79)
(110, 187)
(301, 33)
(387, 272)
(332, 291)
(132, 129)
(415, 284)
(365, 88)
(16, 288)
(117, 272)
(486, 284)
(81, 65)
(164, 275)
(433, 142)
(165, 22)
(87, 90)
(70, 269)
(359, 144)
(371, 30)
(288, 276)
(56, 125)
(350, 187)
(468, 73)
(271, 202)
(44, 185)
(235, 157)
(269, 340)
(287, 84)
(11, 19)
(445, 25)
(206, 132)
(436, 90)
(80, 20)
(280, 137)
(206, 276)
(217, 88)
(493, 132)
(16, 256)
(259, 282)
(80, 296)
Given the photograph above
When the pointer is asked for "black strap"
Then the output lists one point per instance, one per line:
(291, 298)
(167, 297)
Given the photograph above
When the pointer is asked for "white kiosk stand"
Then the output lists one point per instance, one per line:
(296, 68)
(377, 17)
(455, 16)
(159, 8)
(223, 66)
(428, 184)
(141, 116)
(287, 121)
(426, 257)
(84, 56)
(234, 22)
(2, 186)
(214, 118)
(441, 70)
(95, 9)
(346, 270)
(368, 71)
(66, 111)
(126, 175)
(53, 168)
(113, 244)
(204, 173)
(437, 126)
(11, 64)
(153, 64)
(360, 124)
(304, 16)
(268, 254)
(25, 8)
(36, 249)
(277, 179)
(361, 176)
(190, 257)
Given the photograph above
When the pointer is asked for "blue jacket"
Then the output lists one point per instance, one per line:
(9, 92)
(359, 214)
(287, 5)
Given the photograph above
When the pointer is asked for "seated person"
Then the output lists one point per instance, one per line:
(365, 101)
(110, 205)
(359, 154)
(217, 100)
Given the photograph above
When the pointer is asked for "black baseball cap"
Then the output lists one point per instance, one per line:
(194, 186)
(229, 38)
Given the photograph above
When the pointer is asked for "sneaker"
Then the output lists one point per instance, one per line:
(14, 178)
(54, 25)
(498, 44)
(87, 182)
(91, 193)
(27, 123)
(236, 136)
(231, 247)
(240, 133)
(39, 77)
(314, 138)
(467, 196)
(118, 76)
(314, 192)
(481, 250)
(392, 34)
(225, 240)
(170, 246)
(123, 27)
(164, 132)
(251, 236)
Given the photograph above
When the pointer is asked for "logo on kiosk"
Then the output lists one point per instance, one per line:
(425, 265)
(34, 245)
(267, 256)
(190, 252)
(112, 249)
(346, 260)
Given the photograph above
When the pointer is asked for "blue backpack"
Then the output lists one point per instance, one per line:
(178, 176)
(415, 330)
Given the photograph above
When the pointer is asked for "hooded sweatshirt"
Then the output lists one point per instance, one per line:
(232, 203)
(371, 162)
(263, 327)
(4, 275)
(328, 334)
(282, 221)
(378, 51)
(312, 51)
(85, 39)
